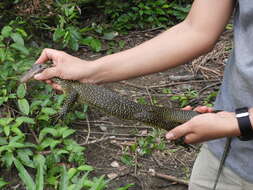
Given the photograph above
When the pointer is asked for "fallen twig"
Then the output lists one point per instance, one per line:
(168, 177)
(114, 134)
(209, 86)
(133, 85)
(88, 123)
(184, 82)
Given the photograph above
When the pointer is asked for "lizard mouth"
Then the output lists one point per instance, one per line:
(36, 68)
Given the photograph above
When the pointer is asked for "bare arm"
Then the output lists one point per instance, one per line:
(191, 38)
(179, 44)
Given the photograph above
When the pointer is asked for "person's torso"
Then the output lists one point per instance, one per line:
(237, 89)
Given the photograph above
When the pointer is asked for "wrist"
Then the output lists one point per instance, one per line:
(100, 70)
(235, 130)
(251, 116)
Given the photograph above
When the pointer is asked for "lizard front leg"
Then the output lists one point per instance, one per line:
(69, 101)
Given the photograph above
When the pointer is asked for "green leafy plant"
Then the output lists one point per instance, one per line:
(185, 98)
(2, 183)
(209, 100)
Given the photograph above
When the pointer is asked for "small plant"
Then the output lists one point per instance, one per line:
(143, 147)
(28, 142)
(208, 101)
(185, 98)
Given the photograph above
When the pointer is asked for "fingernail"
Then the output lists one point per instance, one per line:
(170, 136)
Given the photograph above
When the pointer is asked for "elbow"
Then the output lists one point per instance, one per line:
(208, 45)
(206, 38)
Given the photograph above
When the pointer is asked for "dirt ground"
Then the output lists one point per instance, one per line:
(108, 138)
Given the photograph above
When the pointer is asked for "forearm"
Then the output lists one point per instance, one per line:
(180, 44)
(171, 48)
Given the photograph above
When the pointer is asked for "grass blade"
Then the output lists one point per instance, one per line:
(24, 175)
(40, 163)
(64, 179)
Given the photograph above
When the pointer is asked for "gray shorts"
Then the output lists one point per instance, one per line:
(205, 170)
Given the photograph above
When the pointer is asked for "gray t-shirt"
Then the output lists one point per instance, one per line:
(237, 90)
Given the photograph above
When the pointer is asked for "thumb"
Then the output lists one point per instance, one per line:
(179, 131)
(47, 74)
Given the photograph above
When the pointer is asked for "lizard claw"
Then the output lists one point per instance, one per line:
(57, 118)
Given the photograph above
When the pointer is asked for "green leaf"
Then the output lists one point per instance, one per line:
(20, 48)
(94, 43)
(8, 159)
(40, 163)
(24, 157)
(23, 119)
(49, 111)
(126, 159)
(5, 121)
(24, 106)
(58, 34)
(49, 142)
(72, 172)
(3, 183)
(80, 183)
(16, 37)
(7, 130)
(43, 117)
(64, 179)
(2, 54)
(24, 175)
(110, 35)
(46, 131)
(126, 187)
(6, 31)
(21, 91)
(67, 132)
(3, 141)
(99, 184)
(73, 44)
(21, 31)
(85, 168)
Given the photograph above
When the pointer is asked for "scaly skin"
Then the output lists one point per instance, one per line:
(113, 104)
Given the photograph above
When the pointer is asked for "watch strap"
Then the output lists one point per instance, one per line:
(244, 123)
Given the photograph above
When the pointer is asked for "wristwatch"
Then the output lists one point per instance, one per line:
(242, 115)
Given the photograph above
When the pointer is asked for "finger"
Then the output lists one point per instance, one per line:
(178, 132)
(48, 81)
(202, 109)
(191, 138)
(47, 54)
(57, 87)
(187, 108)
(210, 109)
(47, 74)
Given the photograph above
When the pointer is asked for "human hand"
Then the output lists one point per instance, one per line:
(206, 126)
(64, 66)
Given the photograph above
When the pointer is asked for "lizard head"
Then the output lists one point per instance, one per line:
(36, 68)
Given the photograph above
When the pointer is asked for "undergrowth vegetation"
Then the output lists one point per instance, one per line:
(46, 155)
